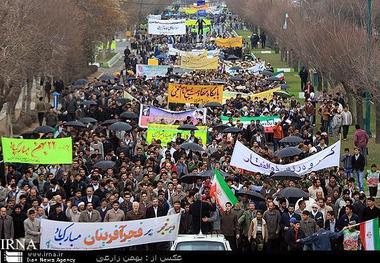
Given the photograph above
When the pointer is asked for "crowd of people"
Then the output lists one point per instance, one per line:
(145, 181)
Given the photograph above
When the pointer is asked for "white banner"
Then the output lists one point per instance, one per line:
(95, 236)
(246, 159)
(176, 52)
(167, 27)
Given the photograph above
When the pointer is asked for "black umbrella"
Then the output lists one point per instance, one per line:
(76, 124)
(232, 130)
(292, 192)
(43, 129)
(87, 120)
(109, 122)
(99, 84)
(80, 82)
(288, 152)
(252, 194)
(267, 73)
(236, 68)
(282, 94)
(191, 178)
(221, 127)
(273, 78)
(106, 78)
(187, 127)
(286, 175)
(118, 87)
(232, 57)
(218, 81)
(237, 79)
(120, 126)
(123, 101)
(213, 104)
(104, 165)
(128, 115)
(292, 140)
(192, 146)
(89, 103)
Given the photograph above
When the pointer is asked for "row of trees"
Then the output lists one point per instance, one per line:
(57, 39)
(329, 36)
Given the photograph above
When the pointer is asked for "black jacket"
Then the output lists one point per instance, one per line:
(358, 164)
(290, 239)
(199, 210)
(150, 212)
(369, 214)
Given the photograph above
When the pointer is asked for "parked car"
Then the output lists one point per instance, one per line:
(200, 242)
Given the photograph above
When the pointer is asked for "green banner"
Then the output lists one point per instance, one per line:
(38, 151)
(267, 121)
(167, 133)
(193, 22)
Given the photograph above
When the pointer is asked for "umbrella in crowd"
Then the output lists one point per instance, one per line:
(192, 146)
(87, 120)
(232, 57)
(221, 127)
(288, 152)
(236, 68)
(232, 130)
(267, 73)
(106, 78)
(76, 124)
(191, 178)
(187, 127)
(251, 194)
(120, 126)
(213, 104)
(128, 115)
(109, 122)
(291, 140)
(292, 192)
(104, 165)
(43, 129)
(80, 82)
(218, 81)
(237, 79)
(286, 175)
(282, 94)
(123, 101)
(89, 103)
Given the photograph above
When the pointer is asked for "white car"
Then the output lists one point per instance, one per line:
(201, 242)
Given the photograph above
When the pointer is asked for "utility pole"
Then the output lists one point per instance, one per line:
(367, 120)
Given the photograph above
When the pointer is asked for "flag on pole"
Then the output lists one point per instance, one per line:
(369, 235)
(221, 191)
(285, 26)
(280, 75)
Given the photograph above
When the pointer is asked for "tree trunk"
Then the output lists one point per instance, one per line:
(377, 112)
(319, 88)
(359, 111)
(28, 97)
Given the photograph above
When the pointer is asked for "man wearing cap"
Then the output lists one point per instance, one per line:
(293, 234)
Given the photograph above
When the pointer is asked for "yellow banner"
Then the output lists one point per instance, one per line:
(193, 10)
(193, 22)
(153, 61)
(198, 61)
(229, 42)
(186, 93)
(167, 133)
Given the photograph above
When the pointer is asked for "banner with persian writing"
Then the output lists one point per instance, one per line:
(245, 158)
(57, 235)
(37, 151)
(151, 71)
(229, 42)
(168, 133)
(186, 93)
(199, 61)
(169, 27)
(151, 114)
(268, 122)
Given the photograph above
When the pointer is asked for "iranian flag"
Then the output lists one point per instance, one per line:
(369, 234)
(221, 191)
(280, 75)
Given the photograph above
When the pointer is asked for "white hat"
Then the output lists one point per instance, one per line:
(81, 203)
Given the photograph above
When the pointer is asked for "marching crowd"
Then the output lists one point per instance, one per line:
(145, 181)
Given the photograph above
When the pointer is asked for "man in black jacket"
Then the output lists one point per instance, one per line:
(293, 234)
(155, 210)
(358, 164)
(199, 211)
(371, 211)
